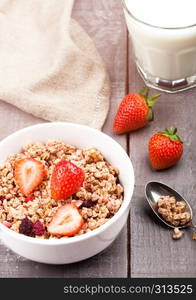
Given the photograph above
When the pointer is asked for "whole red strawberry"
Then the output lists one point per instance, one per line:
(165, 149)
(66, 180)
(134, 112)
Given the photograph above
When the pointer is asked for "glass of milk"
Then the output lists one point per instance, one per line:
(163, 34)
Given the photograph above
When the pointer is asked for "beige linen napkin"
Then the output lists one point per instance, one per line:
(49, 66)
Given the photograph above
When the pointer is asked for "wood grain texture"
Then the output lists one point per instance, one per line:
(104, 22)
(153, 252)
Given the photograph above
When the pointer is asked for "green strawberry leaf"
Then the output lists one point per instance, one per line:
(171, 134)
(144, 92)
(150, 115)
(151, 102)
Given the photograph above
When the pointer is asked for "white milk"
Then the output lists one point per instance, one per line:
(165, 47)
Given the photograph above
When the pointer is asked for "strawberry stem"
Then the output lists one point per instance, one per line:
(150, 101)
(144, 92)
(150, 116)
(171, 134)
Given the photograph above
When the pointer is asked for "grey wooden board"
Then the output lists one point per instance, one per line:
(153, 252)
(104, 22)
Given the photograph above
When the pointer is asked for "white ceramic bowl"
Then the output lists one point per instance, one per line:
(76, 248)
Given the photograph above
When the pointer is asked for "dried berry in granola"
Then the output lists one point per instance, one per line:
(38, 228)
(2, 198)
(26, 227)
(88, 203)
(30, 198)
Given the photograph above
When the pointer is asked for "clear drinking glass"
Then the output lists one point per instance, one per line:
(165, 57)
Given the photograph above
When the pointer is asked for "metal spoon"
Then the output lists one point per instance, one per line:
(154, 190)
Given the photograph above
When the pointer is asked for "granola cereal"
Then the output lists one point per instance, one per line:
(173, 211)
(98, 199)
(177, 233)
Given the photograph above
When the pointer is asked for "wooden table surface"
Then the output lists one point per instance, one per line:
(144, 248)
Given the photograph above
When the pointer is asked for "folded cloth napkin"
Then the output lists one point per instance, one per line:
(49, 66)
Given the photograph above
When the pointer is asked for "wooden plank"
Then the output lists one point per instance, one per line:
(154, 253)
(104, 22)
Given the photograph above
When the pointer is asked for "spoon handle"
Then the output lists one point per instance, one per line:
(194, 231)
(191, 225)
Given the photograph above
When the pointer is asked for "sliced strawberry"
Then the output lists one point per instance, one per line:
(66, 180)
(67, 221)
(77, 203)
(28, 173)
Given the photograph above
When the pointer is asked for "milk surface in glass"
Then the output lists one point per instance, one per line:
(163, 33)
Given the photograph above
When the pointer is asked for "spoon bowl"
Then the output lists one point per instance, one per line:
(154, 190)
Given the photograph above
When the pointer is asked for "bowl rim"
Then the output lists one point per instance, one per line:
(95, 232)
